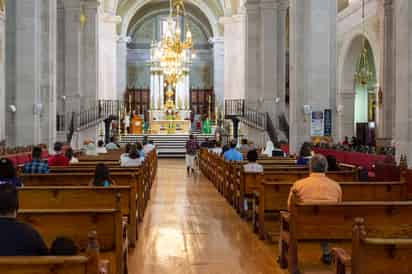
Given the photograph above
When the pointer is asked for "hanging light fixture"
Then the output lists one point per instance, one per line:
(173, 54)
(363, 71)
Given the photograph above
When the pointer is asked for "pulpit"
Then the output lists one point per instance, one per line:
(136, 125)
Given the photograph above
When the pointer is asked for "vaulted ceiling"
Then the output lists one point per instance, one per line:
(212, 10)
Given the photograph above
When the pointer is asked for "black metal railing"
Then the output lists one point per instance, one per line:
(255, 118)
(271, 130)
(235, 108)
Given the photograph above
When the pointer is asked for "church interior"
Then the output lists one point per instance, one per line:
(206, 136)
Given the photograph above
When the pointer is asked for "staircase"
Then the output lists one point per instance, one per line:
(168, 146)
(238, 110)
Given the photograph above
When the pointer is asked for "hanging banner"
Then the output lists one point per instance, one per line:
(317, 124)
(328, 122)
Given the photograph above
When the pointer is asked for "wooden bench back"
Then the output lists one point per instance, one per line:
(379, 255)
(44, 265)
(110, 156)
(310, 221)
(76, 197)
(274, 196)
(74, 179)
(293, 176)
(53, 223)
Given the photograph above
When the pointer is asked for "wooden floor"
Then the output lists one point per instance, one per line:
(190, 229)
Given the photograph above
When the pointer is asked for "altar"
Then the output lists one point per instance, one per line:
(170, 126)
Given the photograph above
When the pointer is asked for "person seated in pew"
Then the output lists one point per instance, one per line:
(218, 148)
(140, 150)
(63, 246)
(268, 149)
(332, 163)
(148, 146)
(252, 166)
(8, 174)
(58, 159)
(100, 147)
(16, 238)
(91, 149)
(124, 155)
(133, 159)
(305, 154)
(112, 145)
(318, 188)
(244, 147)
(233, 154)
(277, 151)
(102, 176)
(205, 143)
(70, 155)
(36, 166)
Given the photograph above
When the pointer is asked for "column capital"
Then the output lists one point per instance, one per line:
(216, 40)
(124, 39)
(71, 4)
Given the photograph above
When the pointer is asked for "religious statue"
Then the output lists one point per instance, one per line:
(126, 122)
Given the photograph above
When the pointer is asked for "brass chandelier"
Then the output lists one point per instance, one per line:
(363, 71)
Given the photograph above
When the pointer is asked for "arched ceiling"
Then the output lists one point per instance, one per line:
(212, 10)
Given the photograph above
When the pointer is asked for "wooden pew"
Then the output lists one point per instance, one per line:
(273, 198)
(373, 255)
(333, 221)
(111, 233)
(82, 197)
(81, 264)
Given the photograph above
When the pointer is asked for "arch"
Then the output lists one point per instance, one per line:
(129, 14)
(347, 61)
(205, 29)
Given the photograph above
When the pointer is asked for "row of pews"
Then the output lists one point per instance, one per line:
(63, 203)
(374, 216)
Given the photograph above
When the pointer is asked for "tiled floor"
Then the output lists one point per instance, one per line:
(190, 229)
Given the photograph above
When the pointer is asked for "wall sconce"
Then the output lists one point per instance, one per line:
(339, 109)
(12, 108)
(307, 109)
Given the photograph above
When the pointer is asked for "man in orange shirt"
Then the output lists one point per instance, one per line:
(318, 188)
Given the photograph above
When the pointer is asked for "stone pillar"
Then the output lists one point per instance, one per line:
(23, 71)
(90, 79)
(403, 111)
(268, 48)
(122, 66)
(2, 74)
(254, 51)
(234, 57)
(72, 59)
(388, 72)
(281, 58)
(218, 70)
(312, 64)
(47, 106)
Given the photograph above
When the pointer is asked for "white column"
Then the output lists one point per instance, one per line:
(403, 114)
(234, 57)
(48, 104)
(91, 79)
(122, 66)
(281, 57)
(2, 75)
(388, 72)
(187, 92)
(23, 71)
(152, 93)
(72, 58)
(218, 69)
(312, 64)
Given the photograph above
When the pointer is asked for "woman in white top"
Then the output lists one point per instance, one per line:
(269, 149)
(133, 159)
(252, 166)
(70, 155)
(100, 147)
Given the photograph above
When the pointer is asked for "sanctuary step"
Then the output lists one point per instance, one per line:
(167, 145)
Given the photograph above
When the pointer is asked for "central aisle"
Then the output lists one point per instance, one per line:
(190, 229)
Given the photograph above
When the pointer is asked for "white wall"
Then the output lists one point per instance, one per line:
(108, 56)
